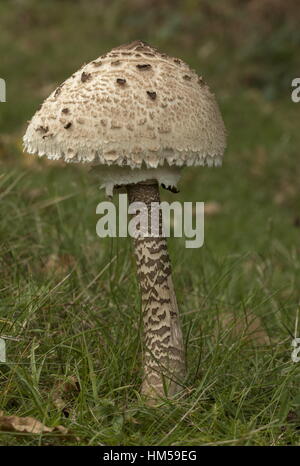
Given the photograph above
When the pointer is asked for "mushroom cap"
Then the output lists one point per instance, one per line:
(133, 107)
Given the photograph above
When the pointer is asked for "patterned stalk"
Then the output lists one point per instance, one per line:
(163, 349)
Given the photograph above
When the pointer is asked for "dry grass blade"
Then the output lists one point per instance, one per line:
(94, 279)
(12, 185)
(59, 264)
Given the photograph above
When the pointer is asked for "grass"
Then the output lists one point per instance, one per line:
(69, 300)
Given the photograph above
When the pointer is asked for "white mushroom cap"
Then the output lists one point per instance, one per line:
(133, 107)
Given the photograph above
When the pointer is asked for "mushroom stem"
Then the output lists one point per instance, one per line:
(163, 348)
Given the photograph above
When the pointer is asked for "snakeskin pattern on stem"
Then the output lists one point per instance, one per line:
(163, 354)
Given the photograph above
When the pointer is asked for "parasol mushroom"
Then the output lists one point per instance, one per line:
(141, 116)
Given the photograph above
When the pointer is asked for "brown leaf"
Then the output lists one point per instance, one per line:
(212, 208)
(250, 326)
(59, 264)
(286, 192)
(33, 194)
(28, 425)
(63, 394)
(259, 161)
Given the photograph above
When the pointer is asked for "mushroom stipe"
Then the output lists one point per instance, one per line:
(164, 355)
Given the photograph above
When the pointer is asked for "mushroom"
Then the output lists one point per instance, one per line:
(141, 116)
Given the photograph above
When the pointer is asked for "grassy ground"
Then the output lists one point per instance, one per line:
(70, 299)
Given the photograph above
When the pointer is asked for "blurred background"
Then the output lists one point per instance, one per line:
(248, 52)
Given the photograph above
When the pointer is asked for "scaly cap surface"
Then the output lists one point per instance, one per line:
(134, 107)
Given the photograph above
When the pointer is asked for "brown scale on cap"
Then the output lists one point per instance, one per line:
(152, 95)
(49, 135)
(58, 90)
(42, 129)
(116, 62)
(97, 63)
(85, 76)
(135, 45)
(68, 125)
(65, 110)
(201, 81)
(121, 81)
(145, 66)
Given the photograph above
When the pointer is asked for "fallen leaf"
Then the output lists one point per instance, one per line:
(286, 192)
(250, 326)
(64, 393)
(28, 425)
(212, 208)
(259, 161)
(33, 194)
(59, 264)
